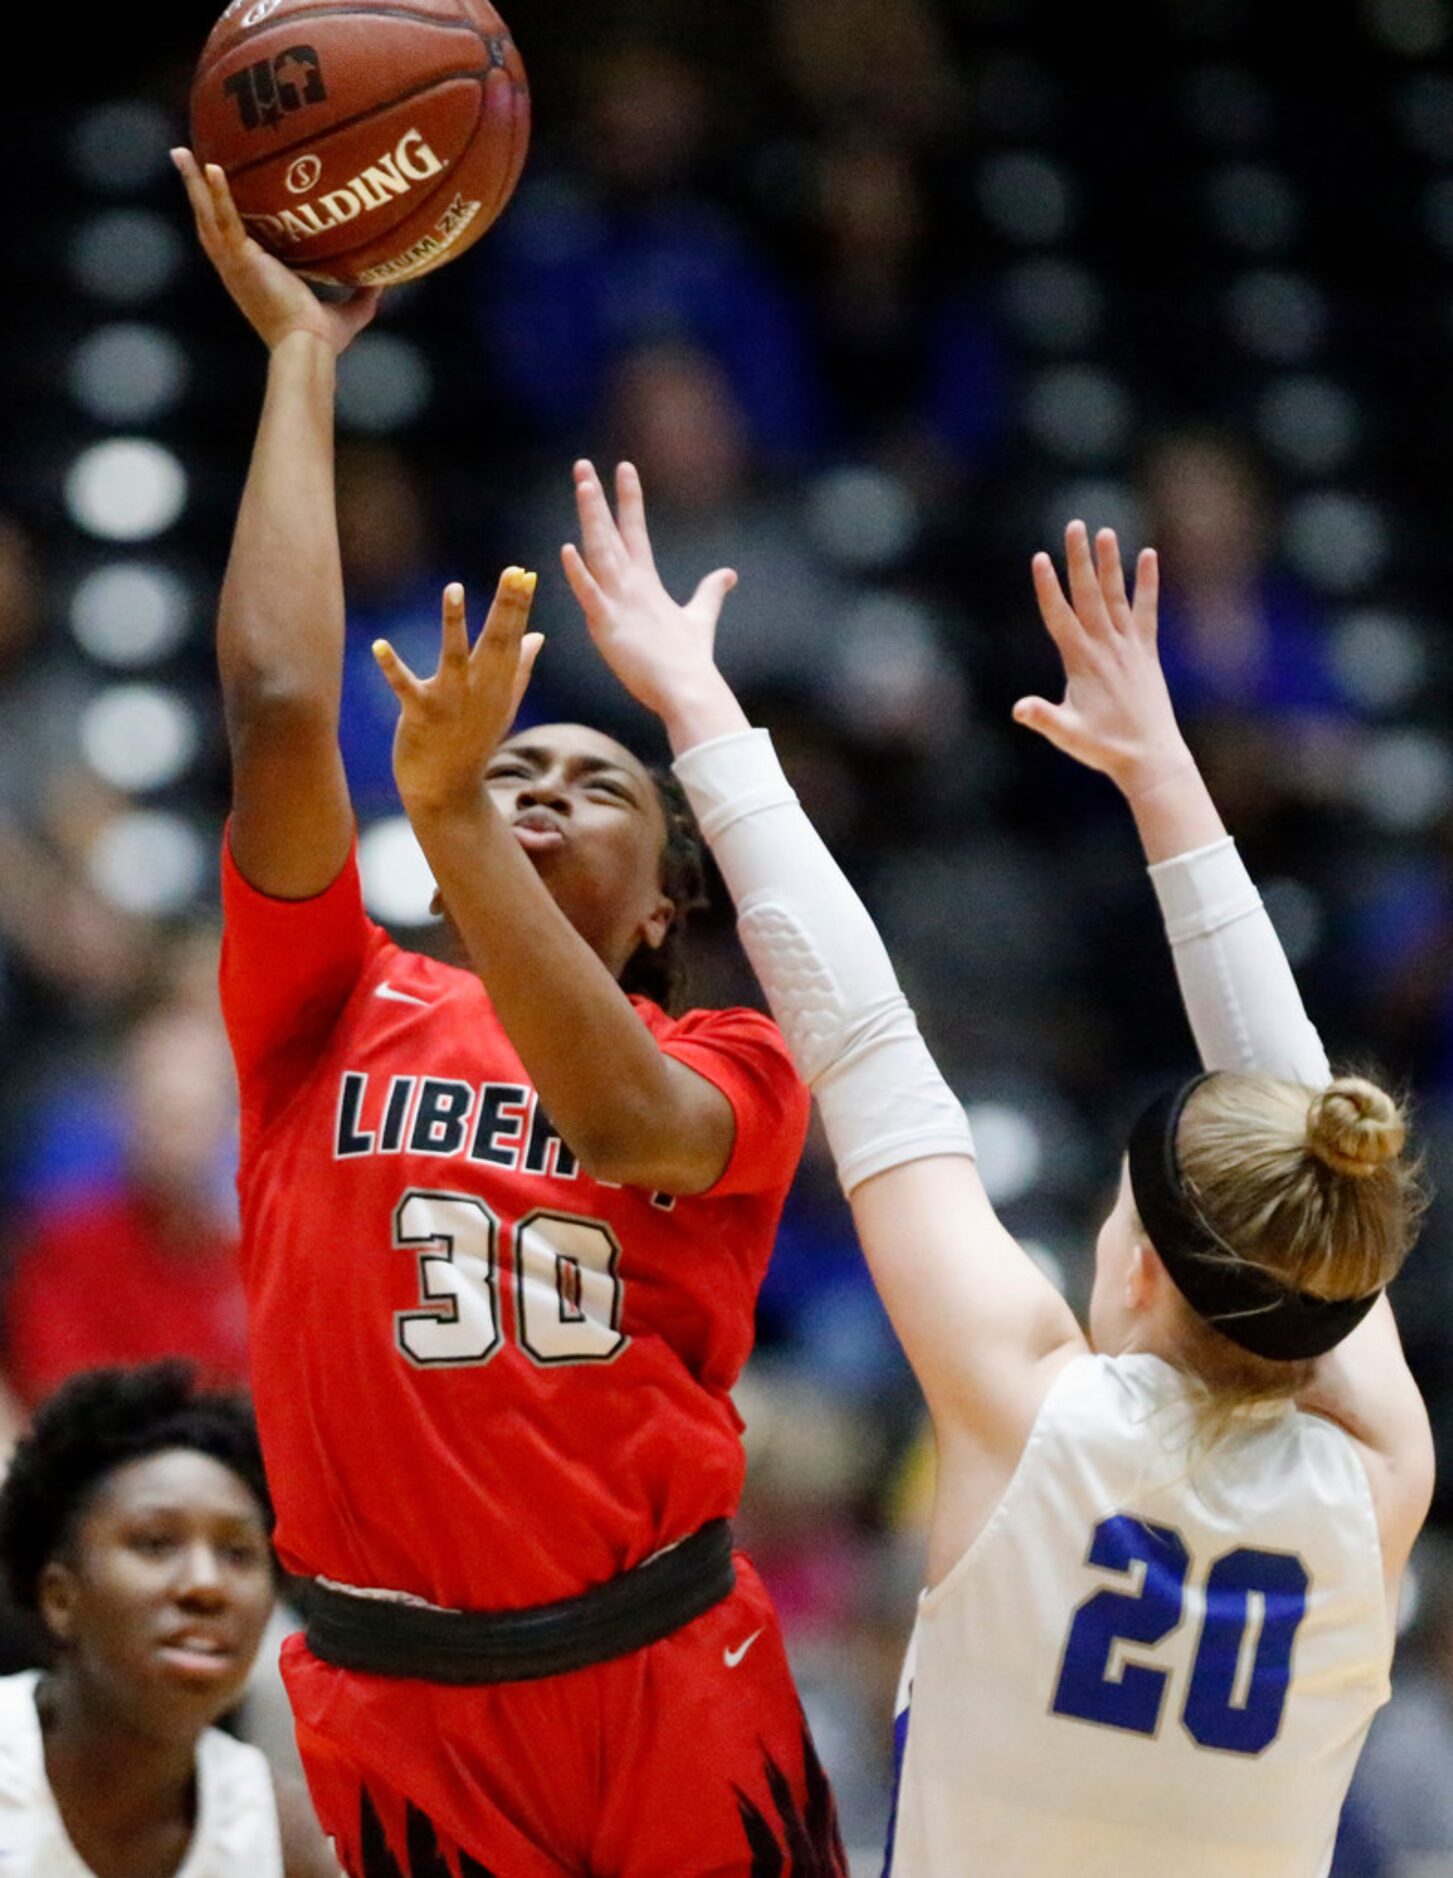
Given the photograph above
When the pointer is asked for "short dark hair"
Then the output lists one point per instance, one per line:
(661, 974)
(97, 1422)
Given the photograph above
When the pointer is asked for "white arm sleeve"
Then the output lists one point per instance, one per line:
(1240, 996)
(826, 974)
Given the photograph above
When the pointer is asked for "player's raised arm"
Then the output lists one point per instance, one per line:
(630, 1112)
(982, 1327)
(1116, 717)
(1241, 997)
(280, 622)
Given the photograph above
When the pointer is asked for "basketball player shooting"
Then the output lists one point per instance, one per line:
(1165, 1557)
(503, 1231)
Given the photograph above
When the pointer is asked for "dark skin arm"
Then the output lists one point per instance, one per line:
(280, 621)
(629, 1112)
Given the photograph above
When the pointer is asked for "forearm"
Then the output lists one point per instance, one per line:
(1240, 995)
(822, 964)
(600, 1075)
(280, 621)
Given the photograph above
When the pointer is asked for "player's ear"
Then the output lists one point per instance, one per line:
(1143, 1275)
(56, 1599)
(658, 922)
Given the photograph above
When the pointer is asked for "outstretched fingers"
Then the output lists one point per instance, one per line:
(454, 631)
(604, 549)
(504, 628)
(631, 508)
(1084, 578)
(199, 195)
(584, 586)
(529, 652)
(229, 222)
(1056, 723)
(1112, 577)
(1143, 613)
(711, 592)
(1054, 609)
(406, 686)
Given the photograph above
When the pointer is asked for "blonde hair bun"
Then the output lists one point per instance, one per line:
(1354, 1127)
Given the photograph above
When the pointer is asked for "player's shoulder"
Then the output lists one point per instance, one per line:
(394, 968)
(734, 1022)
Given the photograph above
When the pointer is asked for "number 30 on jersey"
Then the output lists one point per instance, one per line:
(568, 1292)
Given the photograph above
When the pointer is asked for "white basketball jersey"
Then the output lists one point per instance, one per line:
(1150, 1661)
(236, 1834)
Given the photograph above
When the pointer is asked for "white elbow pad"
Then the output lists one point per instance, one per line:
(822, 965)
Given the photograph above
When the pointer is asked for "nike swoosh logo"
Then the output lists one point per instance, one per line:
(399, 997)
(732, 1657)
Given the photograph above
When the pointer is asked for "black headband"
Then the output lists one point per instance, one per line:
(1241, 1300)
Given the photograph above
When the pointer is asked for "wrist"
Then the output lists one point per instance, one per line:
(1151, 771)
(459, 807)
(301, 348)
(705, 708)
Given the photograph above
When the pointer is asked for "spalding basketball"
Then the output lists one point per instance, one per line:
(364, 144)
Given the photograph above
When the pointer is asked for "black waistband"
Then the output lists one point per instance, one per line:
(387, 1638)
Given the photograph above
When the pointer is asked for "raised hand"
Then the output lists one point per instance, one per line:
(450, 724)
(275, 301)
(661, 652)
(1117, 715)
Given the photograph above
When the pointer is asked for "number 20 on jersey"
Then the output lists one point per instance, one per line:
(1240, 1674)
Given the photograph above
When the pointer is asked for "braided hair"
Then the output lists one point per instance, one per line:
(660, 973)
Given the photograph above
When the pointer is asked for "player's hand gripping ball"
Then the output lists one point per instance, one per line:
(364, 145)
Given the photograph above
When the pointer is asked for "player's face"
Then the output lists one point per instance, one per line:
(160, 1599)
(1113, 1313)
(587, 814)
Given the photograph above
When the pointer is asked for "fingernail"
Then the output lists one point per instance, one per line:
(525, 582)
(382, 649)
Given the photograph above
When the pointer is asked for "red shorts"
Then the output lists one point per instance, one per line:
(688, 1759)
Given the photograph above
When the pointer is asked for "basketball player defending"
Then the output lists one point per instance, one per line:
(501, 1245)
(1165, 1559)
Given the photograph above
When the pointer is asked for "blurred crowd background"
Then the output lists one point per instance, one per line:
(878, 294)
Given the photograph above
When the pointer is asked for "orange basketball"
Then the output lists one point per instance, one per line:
(364, 144)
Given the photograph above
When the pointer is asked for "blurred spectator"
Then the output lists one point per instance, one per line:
(671, 411)
(1246, 649)
(44, 686)
(883, 65)
(146, 1268)
(62, 938)
(1237, 633)
(1401, 1796)
(392, 583)
(69, 958)
(623, 254)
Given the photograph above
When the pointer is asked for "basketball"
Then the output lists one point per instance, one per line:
(364, 145)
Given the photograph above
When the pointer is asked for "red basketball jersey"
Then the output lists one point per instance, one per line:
(481, 1376)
